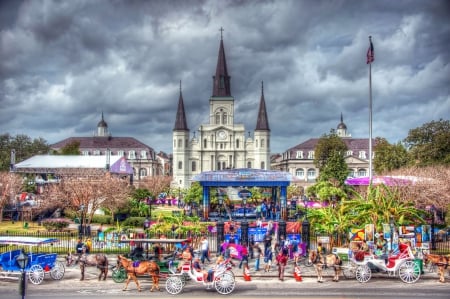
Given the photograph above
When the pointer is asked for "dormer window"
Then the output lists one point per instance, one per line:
(299, 155)
(311, 155)
(362, 154)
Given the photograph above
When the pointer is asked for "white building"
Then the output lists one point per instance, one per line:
(221, 143)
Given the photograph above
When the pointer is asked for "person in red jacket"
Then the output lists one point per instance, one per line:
(281, 263)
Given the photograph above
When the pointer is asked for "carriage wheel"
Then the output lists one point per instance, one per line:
(118, 274)
(409, 272)
(349, 270)
(174, 285)
(36, 274)
(224, 283)
(57, 272)
(307, 262)
(363, 273)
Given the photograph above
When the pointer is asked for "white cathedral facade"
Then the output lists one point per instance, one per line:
(221, 143)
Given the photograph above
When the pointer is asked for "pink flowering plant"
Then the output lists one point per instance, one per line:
(55, 224)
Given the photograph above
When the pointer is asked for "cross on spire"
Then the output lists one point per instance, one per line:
(221, 32)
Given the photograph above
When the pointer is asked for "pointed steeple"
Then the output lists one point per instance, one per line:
(221, 80)
(262, 124)
(180, 120)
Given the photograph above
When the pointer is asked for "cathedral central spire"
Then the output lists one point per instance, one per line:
(221, 80)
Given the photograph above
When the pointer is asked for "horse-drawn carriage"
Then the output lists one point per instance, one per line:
(38, 263)
(361, 264)
(165, 260)
(221, 278)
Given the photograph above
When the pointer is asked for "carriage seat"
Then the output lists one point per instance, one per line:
(404, 253)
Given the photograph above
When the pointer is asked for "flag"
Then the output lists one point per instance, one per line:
(370, 53)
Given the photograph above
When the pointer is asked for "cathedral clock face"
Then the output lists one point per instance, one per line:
(222, 135)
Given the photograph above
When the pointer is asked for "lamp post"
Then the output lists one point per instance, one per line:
(244, 202)
(22, 261)
(82, 221)
(220, 198)
(305, 225)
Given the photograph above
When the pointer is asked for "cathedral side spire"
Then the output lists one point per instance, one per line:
(221, 80)
(180, 120)
(262, 124)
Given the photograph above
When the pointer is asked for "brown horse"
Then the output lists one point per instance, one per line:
(441, 261)
(319, 261)
(134, 268)
(99, 260)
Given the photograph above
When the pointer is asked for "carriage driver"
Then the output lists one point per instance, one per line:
(186, 256)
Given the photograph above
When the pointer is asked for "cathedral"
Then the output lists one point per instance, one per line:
(221, 143)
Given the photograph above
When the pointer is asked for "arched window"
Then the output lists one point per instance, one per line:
(205, 143)
(300, 173)
(249, 164)
(180, 165)
(311, 174)
(263, 165)
(180, 143)
(362, 172)
(194, 166)
(224, 118)
(262, 143)
(237, 143)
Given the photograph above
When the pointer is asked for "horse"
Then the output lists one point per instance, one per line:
(330, 260)
(99, 260)
(134, 268)
(441, 261)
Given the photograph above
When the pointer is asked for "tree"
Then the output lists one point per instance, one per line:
(156, 184)
(329, 158)
(24, 147)
(72, 148)
(10, 186)
(379, 204)
(429, 185)
(389, 156)
(86, 191)
(430, 143)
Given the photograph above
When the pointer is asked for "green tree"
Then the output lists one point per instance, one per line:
(329, 158)
(194, 194)
(389, 156)
(380, 203)
(24, 147)
(72, 149)
(430, 143)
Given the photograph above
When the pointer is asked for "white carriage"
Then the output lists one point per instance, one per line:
(223, 279)
(360, 265)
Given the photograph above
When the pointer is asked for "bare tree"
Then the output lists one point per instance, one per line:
(10, 186)
(430, 185)
(86, 191)
(156, 184)
(116, 191)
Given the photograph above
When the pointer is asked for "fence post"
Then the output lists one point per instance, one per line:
(220, 235)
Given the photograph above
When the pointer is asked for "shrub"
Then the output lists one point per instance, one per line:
(55, 224)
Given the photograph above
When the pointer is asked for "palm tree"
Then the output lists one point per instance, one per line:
(381, 204)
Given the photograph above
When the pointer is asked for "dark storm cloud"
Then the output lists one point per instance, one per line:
(63, 63)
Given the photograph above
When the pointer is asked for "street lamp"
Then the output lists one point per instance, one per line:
(305, 224)
(220, 198)
(433, 239)
(82, 221)
(22, 261)
(244, 202)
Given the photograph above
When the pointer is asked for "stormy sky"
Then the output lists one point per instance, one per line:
(63, 63)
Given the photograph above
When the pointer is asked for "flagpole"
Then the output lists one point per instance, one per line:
(370, 113)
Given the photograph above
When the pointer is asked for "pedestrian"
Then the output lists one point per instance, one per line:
(83, 260)
(267, 240)
(244, 256)
(281, 263)
(204, 249)
(88, 245)
(257, 252)
(79, 249)
(268, 256)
